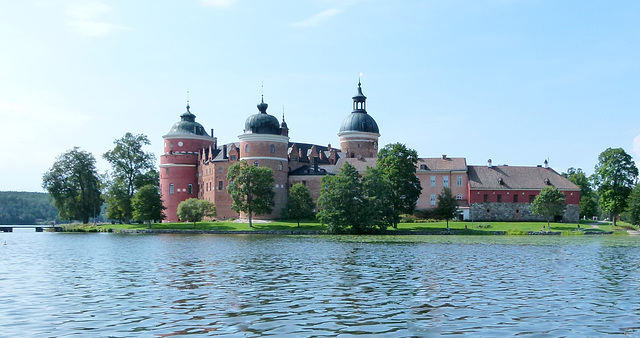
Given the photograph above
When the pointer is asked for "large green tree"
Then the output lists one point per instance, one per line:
(194, 210)
(615, 176)
(634, 206)
(588, 204)
(132, 168)
(251, 189)
(396, 169)
(343, 206)
(549, 204)
(447, 208)
(147, 204)
(74, 185)
(300, 204)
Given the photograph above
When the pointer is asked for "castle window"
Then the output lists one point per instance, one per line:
(190, 189)
(499, 198)
(246, 148)
(445, 181)
(171, 188)
(304, 183)
(273, 148)
(433, 181)
(485, 198)
(256, 163)
(166, 170)
(220, 184)
(220, 169)
(459, 197)
(433, 199)
(515, 198)
(532, 198)
(280, 166)
(459, 181)
(423, 167)
(233, 157)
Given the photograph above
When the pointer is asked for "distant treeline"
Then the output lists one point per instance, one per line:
(26, 208)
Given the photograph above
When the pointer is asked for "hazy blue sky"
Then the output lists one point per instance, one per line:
(514, 81)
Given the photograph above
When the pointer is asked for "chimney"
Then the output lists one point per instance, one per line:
(489, 163)
(545, 164)
(444, 157)
(211, 132)
(315, 164)
(329, 147)
(224, 151)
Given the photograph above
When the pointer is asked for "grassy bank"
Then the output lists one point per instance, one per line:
(479, 228)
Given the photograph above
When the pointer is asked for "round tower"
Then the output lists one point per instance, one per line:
(359, 132)
(265, 143)
(179, 162)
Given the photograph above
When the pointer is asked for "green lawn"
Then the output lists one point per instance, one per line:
(514, 228)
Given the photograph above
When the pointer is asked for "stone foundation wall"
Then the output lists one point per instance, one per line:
(482, 212)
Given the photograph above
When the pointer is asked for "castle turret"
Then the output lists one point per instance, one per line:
(264, 144)
(359, 131)
(179, 161)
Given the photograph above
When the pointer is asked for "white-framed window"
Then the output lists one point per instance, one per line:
(433, 199)
(220, 185)
(273, 148)
(256, 163)
(246, 148)
(171, 188)
(280, 166)
(190, 189)
(445, 181)
(459, 180)
(433, 181)
(220, 169)
(459, 197)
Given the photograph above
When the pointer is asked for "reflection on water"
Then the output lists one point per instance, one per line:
(165, 285)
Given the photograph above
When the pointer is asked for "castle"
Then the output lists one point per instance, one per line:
(194, 165)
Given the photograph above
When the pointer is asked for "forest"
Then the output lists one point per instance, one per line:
(17, 207)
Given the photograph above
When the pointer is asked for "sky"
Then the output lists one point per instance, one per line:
(515, 81)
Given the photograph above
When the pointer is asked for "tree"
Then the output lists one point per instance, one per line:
(74, 185)
(251, 189)
(147, 204)
(634, 205)
(299, 205)
(343, 206)
(588, 204)
(194, 210)
(447, 205)
(132, 168)
(615, 176)
(549, 203)
(396, 168)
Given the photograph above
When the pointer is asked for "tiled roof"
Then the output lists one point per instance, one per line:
(508, 177)
(361, 164)
(443, 164)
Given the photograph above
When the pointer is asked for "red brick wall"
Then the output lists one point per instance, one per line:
(477, 196)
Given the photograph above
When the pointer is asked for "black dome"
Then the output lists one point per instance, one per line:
(187, 125)
(360, 122)
(262, 123)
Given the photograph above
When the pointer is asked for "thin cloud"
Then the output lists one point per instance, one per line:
(317, 19)
(83, 18)
(218, 3)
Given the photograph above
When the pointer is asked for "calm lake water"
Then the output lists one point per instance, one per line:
(94, 285)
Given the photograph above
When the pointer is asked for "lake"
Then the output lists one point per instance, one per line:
(120, 285)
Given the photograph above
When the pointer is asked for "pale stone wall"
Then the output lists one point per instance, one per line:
(482, 212)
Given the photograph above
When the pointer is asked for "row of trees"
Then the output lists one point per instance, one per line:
(132, 187)
(611, 189)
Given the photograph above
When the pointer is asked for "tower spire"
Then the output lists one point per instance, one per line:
(188, 99)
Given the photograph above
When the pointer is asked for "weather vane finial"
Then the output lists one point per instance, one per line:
(262, 90)
(188, 99)
(359, 79)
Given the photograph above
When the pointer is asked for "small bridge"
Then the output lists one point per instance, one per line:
(38, 228)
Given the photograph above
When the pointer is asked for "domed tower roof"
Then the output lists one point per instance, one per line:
(359, 120)
(262, 123)
(187, 125)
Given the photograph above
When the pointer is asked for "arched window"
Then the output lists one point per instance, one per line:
(171, 188)
(246, 148)
(273, 148)
(220, 169)
(190, 189)
(280, 166)
(256, 163)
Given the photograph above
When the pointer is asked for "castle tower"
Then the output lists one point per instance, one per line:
(265, 144)
(179, 162)
(359, 131)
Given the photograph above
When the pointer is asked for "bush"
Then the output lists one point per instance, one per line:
(408, 218)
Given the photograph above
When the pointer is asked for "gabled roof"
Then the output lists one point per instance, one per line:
(361, 164)
(508, 177)
(443, 164)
